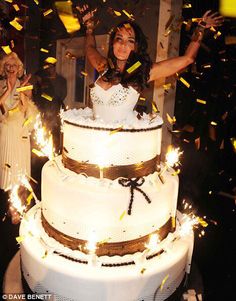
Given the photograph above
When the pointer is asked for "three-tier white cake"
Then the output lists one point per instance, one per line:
(107, 228)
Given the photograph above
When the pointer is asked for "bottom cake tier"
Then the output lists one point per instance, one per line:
(153, 275)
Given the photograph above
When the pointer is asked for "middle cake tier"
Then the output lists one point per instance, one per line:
(75, 206)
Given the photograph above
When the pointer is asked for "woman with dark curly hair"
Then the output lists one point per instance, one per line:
(128, 63)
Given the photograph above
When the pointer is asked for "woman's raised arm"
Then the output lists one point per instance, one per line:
(98, 61)
(171, 66)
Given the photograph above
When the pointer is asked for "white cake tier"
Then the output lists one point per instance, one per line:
(146, 278)
(82, 207)
(96, 142)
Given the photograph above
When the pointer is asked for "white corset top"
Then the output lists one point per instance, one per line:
(113, 104)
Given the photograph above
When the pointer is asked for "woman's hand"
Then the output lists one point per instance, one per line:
(87, 16)
(210, 19)
(25, 80)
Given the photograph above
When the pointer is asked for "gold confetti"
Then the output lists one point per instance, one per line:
(24, 88)
(122, 215)
(196, 20)
(201, 101)
(9, 1)
(45, 254)
(173, 222)
(171, 120)
(37, 2)
(46, 96)
(51, 60)
(117, 13)
(130, 16)
(142, 98)
(116, 130)
(214, 123)
(16, 25)
(167, 86)
(233, 142)
(19, 239)
(134, 67)
(47, 12)
(154, 107)
(184, 82)
(176, 172)
(44, 50)
(38, 153)
(187, 5)
(163, 282)
(65, 12)
(227, 8)
(143, 270)
(202, 222)
(28, 121)
(29, 199)
(16, 7)
(84, 73)
(6, 49)
(206, 66)
(218, 34)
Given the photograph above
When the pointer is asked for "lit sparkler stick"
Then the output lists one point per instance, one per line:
(45, 144)
(91, 246)
(172, 159)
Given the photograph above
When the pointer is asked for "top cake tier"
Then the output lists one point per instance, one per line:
(88, 143)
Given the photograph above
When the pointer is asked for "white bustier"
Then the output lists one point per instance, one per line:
(114, 104)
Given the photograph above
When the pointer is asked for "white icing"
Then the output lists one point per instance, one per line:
(90, 205)
(89, 282)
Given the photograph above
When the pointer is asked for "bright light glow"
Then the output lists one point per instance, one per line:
(91, 245)
(172, 156)
(43, 139)
(153, 242)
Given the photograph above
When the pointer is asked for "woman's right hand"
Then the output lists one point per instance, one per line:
(87, 16)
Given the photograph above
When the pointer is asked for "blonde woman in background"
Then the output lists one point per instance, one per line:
(15, 108)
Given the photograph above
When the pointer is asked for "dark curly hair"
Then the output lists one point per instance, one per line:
(138, 79)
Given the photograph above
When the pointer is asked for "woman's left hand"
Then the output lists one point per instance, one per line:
(210, 19)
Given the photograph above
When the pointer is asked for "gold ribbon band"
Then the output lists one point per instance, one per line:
(112, 172)
(107, 248)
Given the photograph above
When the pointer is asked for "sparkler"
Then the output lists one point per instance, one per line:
(172, 159)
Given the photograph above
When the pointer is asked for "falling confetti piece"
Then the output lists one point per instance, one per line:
(65, 12)
(44, 50)
(16, 7)
(171, 120)
(16, 25)
(167, 86)
(37, 2)
(142, 98)
(51, 60)
(46, 96)
(134, 67)
(154, 107)
(130, 16)
(201, 101)
(38, 153)
(28, 121)
(24, 88)
(47, 12)
(187, 5)
(84, 73)
(117, 13)
(45, 254)
(122, 215)
(184, 82)
(29, 199)
(164, 281)
(19, 239)
(116, 130)
(143, 270)
(214, 123)
(217, 35)
(6, 49)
